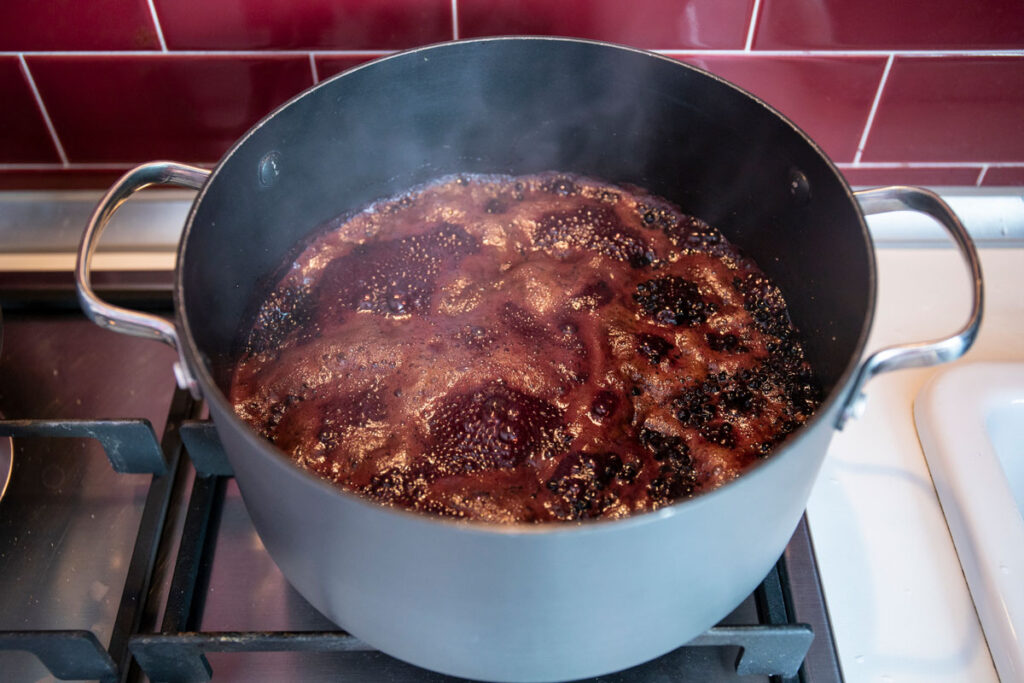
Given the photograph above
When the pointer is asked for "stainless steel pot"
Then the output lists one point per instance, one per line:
(516, 602)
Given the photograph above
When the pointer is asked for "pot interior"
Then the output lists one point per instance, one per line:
(523, 105)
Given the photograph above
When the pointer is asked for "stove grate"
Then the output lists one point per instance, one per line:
(777, 647)
(132, 447)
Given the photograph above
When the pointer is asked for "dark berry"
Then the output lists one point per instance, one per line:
(729, 343)
(738, 399)
(580, 479)
(665, 448)
(672, 300)
(653, 347)
(639, 259)
(694, 407)
(607, 468)
(604, 404)
(720, 434)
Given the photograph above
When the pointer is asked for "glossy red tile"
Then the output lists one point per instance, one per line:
(324, 24)
(889, 24)
(950, 109)
(651, 24)
(828, 97)
(23, 135)
(932, 177)
(332, 66)
(1007, 176)
(120, 109)
(92, 25)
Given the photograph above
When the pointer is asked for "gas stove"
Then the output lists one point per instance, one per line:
(126, 553)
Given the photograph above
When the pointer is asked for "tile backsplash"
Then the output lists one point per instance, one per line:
(895, 91)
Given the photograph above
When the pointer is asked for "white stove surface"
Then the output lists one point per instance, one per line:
(899, 604)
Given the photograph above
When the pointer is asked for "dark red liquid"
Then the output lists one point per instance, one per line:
(534, 348)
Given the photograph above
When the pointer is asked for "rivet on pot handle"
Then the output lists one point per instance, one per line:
(120, 319)
(921, 354)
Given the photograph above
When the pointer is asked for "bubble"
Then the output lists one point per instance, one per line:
(397, 303)
(604, 404)
(653, 347)
(593, 227)
(495, 206)
(393, 277)
(563, 187)
(493, 426)
(666, 317)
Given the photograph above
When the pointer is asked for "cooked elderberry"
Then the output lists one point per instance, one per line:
(673, 300)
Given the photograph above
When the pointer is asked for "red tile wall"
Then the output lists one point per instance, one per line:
(895, 91)
(191, 107)
(830, 97)
(652, 24)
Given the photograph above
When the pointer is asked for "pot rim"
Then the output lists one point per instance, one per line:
(823, 418)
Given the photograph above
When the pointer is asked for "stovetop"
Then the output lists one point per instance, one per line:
(156, 572)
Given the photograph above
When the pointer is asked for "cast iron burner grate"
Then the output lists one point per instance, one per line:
(776, 647)
(132, 447)
(788, 640)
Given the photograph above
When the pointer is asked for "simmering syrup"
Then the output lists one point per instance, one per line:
(533, 348)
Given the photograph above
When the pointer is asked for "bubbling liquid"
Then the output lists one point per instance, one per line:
(523, 349)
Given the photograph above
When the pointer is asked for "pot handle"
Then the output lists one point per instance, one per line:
(922, 354)
(120, 319)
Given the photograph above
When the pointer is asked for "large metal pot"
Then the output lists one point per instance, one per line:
(514, 602)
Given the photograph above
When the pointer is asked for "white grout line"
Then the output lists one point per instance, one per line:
(747, 52)
(751, 29)
(63, 167)
(156, 23)
(930, 164)
(320, 53)
(981, 175)
(455, 19)
(42, 110)
(869, 165)
(844, 53)
(112, 166)
(202, 53)
(381, 53)
(312, 68)
(874, 108)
